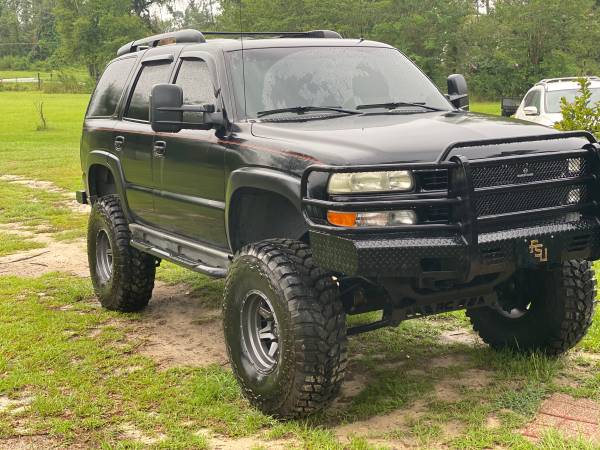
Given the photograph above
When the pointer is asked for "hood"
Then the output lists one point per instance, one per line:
(422, 137)
(551, 119)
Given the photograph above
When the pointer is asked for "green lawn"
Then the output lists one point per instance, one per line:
(52, 154)
(80, 73)
(486, 107)
(73, 373)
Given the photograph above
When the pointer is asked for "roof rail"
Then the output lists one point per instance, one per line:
(557, 80)
(317, 34)
(175, 37)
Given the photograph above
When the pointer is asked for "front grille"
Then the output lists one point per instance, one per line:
(493, 203)
(435, 214)
(502, 174)
(433, 180)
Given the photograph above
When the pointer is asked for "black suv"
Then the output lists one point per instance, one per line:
(325, 177)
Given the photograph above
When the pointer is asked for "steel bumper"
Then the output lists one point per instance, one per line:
(451, 257)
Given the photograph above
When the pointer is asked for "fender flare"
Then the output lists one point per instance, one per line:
(112, 163)
(276, 182)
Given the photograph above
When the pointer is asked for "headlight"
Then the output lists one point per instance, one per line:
(348, 183)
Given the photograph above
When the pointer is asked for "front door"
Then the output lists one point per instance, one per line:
(192, 198)
(134, 138)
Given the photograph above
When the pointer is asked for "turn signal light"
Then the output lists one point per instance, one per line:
(342, 219)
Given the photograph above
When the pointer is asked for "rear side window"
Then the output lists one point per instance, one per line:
(139, 104)
(110, 87)
(194, 79)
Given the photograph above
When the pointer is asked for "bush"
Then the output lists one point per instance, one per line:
(67, 83)
(580, 115)
(10, 62)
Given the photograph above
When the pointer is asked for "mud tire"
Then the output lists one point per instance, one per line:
(557, 319)
(130, 284)
(310, 322)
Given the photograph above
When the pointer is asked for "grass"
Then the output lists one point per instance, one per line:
(80, 379)
(39, 210)
(85, 383)
(13, 243)
(492, 108)
(80, 73)
(52, 154)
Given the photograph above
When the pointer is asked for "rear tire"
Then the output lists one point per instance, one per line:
(558, 309)
(285, 329)
(122, 276)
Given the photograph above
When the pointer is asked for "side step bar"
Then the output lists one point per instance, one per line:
(199, 258)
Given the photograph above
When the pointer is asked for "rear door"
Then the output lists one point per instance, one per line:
(101, 115)
(134, 138)
(192, 199)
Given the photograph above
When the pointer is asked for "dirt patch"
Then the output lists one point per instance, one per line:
(475, 378)
(447, 391)
(48, 186)
(460, 336)
(569, 416)
(447, 361)
(176, 330)
(32, 443)
(57, 256)
(354, 383)
(130, 432)
(14, 405)
(380, 425)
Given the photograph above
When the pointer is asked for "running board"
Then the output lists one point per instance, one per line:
(191, 255)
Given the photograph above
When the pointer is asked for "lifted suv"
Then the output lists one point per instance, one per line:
(326, 177)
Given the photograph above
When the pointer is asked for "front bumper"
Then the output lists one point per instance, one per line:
(451, 257)
(495, 223)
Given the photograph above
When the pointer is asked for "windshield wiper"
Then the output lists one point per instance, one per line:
(305, 109)
(394, 105)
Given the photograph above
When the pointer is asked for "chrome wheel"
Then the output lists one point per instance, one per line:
(259, 331)
(104, 257)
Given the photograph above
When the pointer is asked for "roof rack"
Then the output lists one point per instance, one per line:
(558, 80)
(175, 37)
(195, 36)
(315, 34)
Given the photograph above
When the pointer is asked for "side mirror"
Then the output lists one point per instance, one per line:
(167, 111)
(166, 101)
(458, 93)
(531, 111)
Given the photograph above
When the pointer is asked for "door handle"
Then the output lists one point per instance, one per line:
(160, 148)
(119, 143)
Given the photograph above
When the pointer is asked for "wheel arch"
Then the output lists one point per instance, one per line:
(270, 195)
(104, 176)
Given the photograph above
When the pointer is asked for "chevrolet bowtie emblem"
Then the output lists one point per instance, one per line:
(538, 250)
(525, 173)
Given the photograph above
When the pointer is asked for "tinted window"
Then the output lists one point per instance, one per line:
(139, 104)
(194, 79)
(110, 87)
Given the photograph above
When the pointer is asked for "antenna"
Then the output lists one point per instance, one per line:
(243, 64)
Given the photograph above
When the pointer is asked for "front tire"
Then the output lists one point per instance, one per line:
(284, 329)
(122, 276)
(555, 310)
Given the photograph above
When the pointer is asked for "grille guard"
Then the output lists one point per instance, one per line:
(462, 193)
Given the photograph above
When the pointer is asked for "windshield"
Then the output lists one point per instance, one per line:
(553, 98)
(344, 77)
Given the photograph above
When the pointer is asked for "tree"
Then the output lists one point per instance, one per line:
(92, 30)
